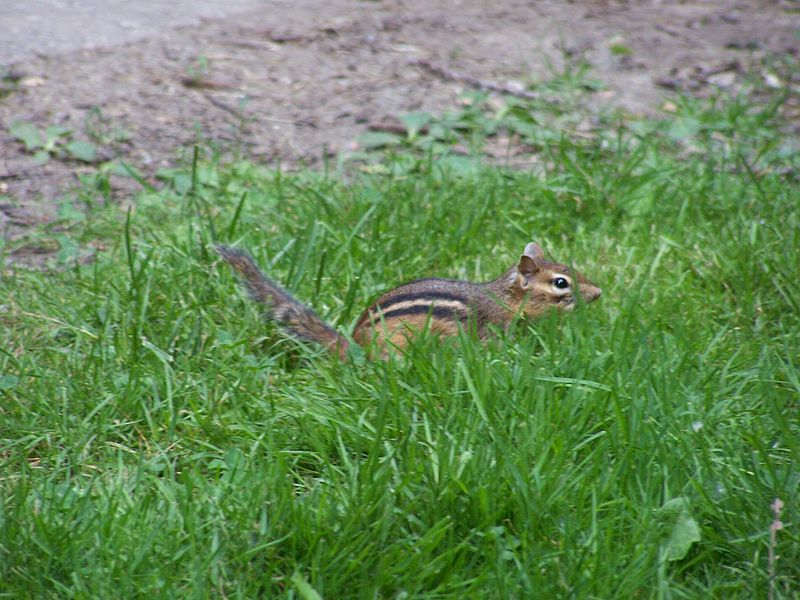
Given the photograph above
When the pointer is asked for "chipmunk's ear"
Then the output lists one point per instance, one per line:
(533, 251)
(528, 264)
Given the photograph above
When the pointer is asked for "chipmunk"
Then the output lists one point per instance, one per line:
(527, 289)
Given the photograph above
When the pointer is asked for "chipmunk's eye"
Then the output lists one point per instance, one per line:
(561, 283)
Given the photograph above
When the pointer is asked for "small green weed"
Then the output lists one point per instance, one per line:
(484, 125)
(52, 141)
(103, 130)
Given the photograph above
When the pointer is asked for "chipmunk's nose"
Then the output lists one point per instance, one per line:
(591, 293)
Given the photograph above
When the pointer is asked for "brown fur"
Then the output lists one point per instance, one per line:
(281, 306)
(443, 306)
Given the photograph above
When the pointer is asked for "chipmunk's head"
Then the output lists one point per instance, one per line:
(547, 284)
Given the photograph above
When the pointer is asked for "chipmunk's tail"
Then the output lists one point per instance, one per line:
(295, 317)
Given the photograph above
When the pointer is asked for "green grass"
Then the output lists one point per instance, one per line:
(158, 440)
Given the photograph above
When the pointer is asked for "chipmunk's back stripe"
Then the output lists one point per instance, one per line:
(424, 299)
(438, 312)
(429, 297)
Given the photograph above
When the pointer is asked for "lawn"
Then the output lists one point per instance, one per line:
(157, 439)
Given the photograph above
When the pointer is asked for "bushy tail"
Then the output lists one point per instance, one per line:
(296, 318)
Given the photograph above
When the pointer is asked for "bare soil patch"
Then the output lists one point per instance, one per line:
(297, 84)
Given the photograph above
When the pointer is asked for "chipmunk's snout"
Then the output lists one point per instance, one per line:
(590, 293)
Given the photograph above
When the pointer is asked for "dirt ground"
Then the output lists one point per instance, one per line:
(302, 80)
